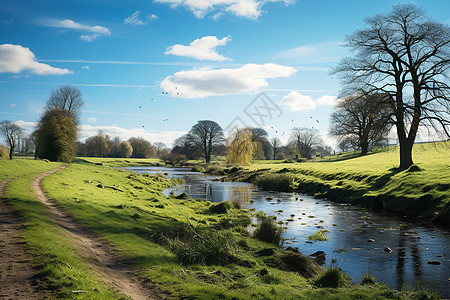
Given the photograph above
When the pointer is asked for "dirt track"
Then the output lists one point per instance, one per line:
(96, 251)
(15, 270)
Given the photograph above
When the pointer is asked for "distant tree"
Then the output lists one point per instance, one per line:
(405, 56)
(276, 145)
(204, 137)
(97, 145)
(304, 140)
(142, 148)
(81, 149)
(173, 159)
(27, 145)
(363, 118)
(261, 137)
(12, 134)
(280, 156)
(34, 137)
(159, 148)
(69, 99)
(114, 147)
(57, 134)
(241, 146)
(182, 146)
(125, 149)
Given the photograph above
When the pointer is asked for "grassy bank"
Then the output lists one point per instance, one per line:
(188, 248)
(372, 180)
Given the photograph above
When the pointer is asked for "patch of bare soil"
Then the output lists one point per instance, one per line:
(16, 271)
(97, 251)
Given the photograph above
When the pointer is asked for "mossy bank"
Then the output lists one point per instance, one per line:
(371, 181)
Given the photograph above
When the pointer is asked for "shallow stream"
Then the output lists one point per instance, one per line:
(350, 229)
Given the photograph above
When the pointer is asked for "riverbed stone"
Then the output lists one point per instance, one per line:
(387, 249)
(371, 240)
(439, 255)
(434, 262)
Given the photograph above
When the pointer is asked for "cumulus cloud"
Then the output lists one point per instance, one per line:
(251, 9)
(135, 20)
(199, 83)
(15, 59)
(91, 32)
(167, 137)
(12, 105)
(201, 49)
(298, 102)
(92, 120)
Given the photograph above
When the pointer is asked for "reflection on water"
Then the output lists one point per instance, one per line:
(350, 229)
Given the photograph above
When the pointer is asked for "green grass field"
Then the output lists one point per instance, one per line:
(149, 231)
(370, 180)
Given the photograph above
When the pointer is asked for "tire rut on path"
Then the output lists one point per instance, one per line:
(16, 271)
(96, 251)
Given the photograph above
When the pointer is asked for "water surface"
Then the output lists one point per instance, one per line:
(350, 229)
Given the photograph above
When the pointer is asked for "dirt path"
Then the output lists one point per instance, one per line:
(97, 252)
(15, 270)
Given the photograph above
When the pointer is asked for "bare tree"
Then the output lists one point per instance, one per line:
(97, 145)
(304, 140)
(361, 117)
(69, 99)
(205, 136)
(276, 145)
(12, 134)
(261, 137)
(159, 148)
(405, 56)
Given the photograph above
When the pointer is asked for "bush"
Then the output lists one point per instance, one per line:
(299, 263)
(282, 182)
(368, 279)
(206, 247)
(280, 156)
(221, 208)
(268, 231)
(333, 277)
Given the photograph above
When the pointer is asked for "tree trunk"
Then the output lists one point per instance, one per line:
(364, 147)
(405, 153)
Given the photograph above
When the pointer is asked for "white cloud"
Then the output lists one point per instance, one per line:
(327, 100)
(92, 32)
(85, 67)
(26, 126)
(315, 53)
(92, 120)
(201, 49)
(12, 105)
(251, 9)
(15, 59)
(134, 19)
(199, 83)
(298, 102)
(167, 137)
(152, 17)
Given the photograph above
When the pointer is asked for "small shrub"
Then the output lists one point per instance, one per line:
(221, 208)
(281, 182)
(318, 236)
(299, 263)
(368, 279)
(208, 247)
(270, 279)
(333, 277)
(268, 231)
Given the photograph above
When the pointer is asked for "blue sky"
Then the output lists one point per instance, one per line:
(197, 59)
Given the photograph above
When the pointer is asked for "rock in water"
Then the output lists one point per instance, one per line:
(387, 249)
(371, 240)
(434, 262)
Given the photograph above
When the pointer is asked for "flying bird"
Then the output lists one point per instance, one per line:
(317, 121)
(140, 106)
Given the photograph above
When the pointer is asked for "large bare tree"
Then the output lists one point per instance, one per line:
(406, 56)
(305, 140)
(12, 134)
(67, 98)
(205, 136)
(361, 119)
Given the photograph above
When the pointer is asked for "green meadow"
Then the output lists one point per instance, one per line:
(372, 180)
(187, 248)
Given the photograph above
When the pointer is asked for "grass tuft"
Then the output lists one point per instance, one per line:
(332, 277)
(283, 182)
(268, 231)
(318, 236)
